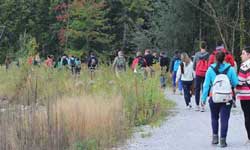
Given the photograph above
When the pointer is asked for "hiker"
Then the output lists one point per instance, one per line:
(164, 63)
(64, 61)
(175, 63)
(72, 64)
(185, 73)
(149, 60)
(58, 63)
(220, 77)
(243, 88)
(78, 66)
(139, 64)
(155, 58)
(49, 61)
(37, 60)
(92, 61)
(200, 66)
(119, 64)
(228, 56)
(7, 62)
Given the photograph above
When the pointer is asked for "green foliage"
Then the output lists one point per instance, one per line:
(28, 46)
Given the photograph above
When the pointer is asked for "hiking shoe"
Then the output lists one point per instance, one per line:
(223, 142)
(215, 139)
(189, 105)
(197, 108)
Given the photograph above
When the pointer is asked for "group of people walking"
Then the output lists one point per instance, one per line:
(216, 75)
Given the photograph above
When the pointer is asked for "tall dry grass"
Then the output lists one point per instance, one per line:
(53, 110)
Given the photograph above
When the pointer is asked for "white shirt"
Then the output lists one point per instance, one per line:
(188, 74)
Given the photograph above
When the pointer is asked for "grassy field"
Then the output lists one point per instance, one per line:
(50, 109)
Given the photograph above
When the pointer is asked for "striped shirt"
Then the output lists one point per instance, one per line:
(243, 88)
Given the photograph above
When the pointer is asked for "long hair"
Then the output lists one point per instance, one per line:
(184, 58)
(220, 56)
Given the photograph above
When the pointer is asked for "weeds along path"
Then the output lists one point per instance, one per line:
(187, 130)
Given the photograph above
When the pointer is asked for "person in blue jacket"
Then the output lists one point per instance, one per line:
(219, 110)
(175, 63)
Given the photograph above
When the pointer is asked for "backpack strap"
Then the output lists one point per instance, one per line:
(216, 71)
(226, 70)
(223, 72)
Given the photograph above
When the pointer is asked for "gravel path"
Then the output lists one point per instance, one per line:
(187, 130)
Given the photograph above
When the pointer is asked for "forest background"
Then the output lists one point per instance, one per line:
(78, 26)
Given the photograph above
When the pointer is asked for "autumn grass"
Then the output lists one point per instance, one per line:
(50, 108)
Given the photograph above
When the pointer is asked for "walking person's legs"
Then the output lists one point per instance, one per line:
(173, 81)
(187, 96)
(214, 110)
(224, 118)
(198, 84)
(245, 105)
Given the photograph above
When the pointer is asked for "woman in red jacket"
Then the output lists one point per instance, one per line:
(243, 89)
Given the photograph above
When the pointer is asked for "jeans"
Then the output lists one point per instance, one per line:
(245, 105)
(222, 111)
(187, 89)
(198, 85)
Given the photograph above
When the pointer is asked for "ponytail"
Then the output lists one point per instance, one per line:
(220, 56)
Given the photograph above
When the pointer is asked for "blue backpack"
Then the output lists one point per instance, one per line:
(177, 63)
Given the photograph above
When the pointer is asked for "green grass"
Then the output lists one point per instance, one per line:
(140, 102)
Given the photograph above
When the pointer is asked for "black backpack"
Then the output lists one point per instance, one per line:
(64, 62)
(141, 62)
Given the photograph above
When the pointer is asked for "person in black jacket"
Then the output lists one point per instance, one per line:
(164, 64)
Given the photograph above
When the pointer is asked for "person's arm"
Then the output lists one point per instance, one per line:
(233, 77)
(195, 61)
(178, 74)
(172, 65)
(206, 85)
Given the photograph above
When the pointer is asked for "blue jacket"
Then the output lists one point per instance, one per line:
(210, 77)
(173, 63)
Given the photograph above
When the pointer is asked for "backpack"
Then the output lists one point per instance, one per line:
(72, 62)
(141, 62)
(92, 62)
(177, 63)
(201, 67)
(64, 62)
(120, 63)
(221, 88)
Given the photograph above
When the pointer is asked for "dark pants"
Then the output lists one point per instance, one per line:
(222, 111)
(245, 105)
(187, 89)
(198, 86)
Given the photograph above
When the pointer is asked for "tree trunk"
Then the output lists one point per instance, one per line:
(217, 23)
(242, 24)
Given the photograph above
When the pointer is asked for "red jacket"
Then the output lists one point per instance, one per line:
(228, 58)
(136, 61)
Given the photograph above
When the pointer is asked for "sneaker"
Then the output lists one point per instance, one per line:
(215, 139)
(223, 142)
(197, 108)
(202, 109)
(190, 106)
